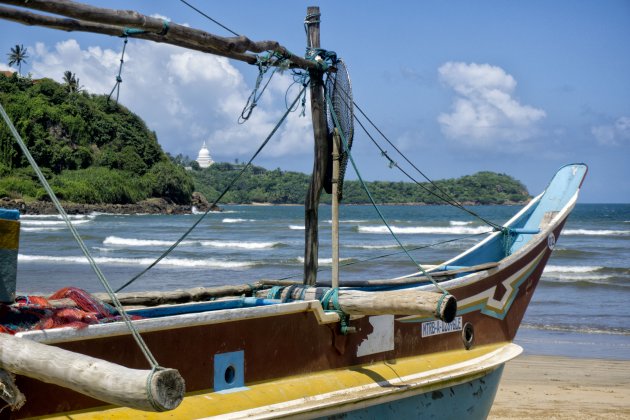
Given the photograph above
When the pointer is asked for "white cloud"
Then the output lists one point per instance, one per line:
(484, 113)
(4, 67)
(187, 97)
(613, 134)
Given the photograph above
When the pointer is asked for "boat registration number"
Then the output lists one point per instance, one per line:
(440, 327)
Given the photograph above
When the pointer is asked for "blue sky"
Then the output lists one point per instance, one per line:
(515, 87)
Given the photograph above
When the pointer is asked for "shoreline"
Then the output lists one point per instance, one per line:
(161, 206)
(553, 387)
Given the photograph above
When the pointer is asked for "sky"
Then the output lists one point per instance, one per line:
(459, 87)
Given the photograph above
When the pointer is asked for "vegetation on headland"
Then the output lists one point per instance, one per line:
(259, 185)
(94, 151)
(90, 149)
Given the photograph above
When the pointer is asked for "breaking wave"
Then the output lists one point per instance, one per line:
(172, 262)
(434, 230)
(131, 242)
(592, 232)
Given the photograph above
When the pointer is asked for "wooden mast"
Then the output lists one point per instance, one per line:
(318, 114)
(335, 209)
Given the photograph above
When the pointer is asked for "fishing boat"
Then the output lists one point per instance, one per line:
(430, 344)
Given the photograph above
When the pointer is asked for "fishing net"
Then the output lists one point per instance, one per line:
(339, 89)
(79, 310)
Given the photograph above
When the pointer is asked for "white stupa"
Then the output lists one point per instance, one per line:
(204, 160)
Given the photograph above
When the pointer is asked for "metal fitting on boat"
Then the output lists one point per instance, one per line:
(468, 335)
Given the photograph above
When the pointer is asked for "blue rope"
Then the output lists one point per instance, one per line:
(274, 292)
(118, 77)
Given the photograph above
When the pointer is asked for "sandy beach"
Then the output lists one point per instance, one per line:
(549, 387)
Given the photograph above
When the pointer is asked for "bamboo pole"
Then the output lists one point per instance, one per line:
(146, 390)
(318, 115)
(335, 210)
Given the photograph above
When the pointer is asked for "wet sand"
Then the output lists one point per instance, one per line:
(549, 387)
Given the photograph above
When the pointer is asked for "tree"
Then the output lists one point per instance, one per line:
(72, 82)
(18, 56)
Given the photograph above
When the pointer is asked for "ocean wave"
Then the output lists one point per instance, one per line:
(459, 223)
(233, 220)
(132, 242)
(389, 246)
(325, 261)
(577, 329)
(240, 244)
(571, 268)
(57, 216)
(435, 230)
(31, 222)
(592, 232)
(296, 227)
(572, 252)
(173, 262)
(40, 229)
(115, 240)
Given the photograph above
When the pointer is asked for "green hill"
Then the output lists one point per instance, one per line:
(259, 185)
(91, 150)
(95, 152)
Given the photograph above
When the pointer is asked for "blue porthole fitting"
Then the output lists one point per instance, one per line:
(229, 371)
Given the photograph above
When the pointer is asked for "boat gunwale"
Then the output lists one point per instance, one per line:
(68, 334)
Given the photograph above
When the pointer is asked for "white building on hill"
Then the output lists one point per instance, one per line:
(204, 160)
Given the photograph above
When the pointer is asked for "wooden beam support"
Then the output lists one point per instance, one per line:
(147, 390)
(318, 114)
(87, 18)
(395, 302)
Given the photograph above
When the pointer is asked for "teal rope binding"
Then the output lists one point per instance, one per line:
(99, 274)
(127, 32)
(118, 76)
(332, 296)
(326, 60)
(264, 63)
(275, 292)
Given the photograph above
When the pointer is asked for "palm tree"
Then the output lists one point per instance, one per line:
(18, 56)
(72, 82)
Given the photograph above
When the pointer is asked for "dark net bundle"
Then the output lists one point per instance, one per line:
(339, 89)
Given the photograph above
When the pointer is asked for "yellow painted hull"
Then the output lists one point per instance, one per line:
(333, 391)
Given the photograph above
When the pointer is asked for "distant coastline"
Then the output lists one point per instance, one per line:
(161, 206)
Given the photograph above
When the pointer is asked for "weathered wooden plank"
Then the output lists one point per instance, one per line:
(147, 390)
(195, 294)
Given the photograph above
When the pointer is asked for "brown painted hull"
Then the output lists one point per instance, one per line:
(296, 343)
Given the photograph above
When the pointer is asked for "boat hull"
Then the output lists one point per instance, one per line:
(416, 386)
(469, 400)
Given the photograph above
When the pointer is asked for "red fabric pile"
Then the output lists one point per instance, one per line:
(39, 313)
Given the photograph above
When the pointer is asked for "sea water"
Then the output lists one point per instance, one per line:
(579, 309)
